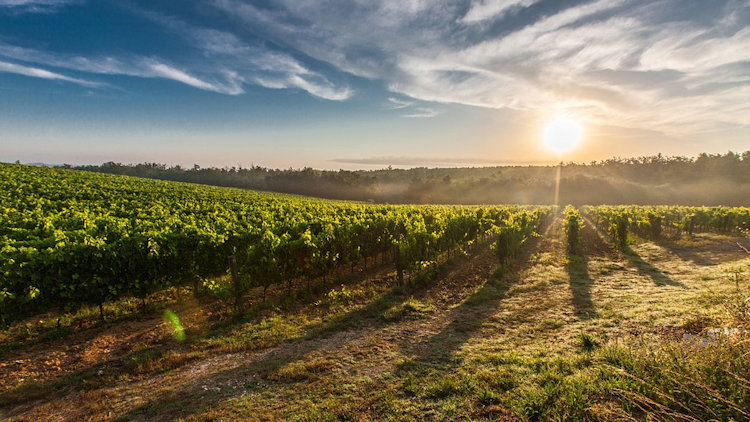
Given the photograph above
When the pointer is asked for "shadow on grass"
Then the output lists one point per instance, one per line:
(468, 318)
(580, 286)
(107, 372)
(598, 245)
(433, 373)
(592, 245)
(191, 398)
(648, 270)
(686, 254)
(152, 360)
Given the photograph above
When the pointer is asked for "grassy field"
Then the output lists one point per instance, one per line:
(600, 335)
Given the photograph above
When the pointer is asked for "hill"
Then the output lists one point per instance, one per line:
(704, 180)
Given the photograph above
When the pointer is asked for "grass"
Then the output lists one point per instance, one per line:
(463, 342)
(410, 309)
(588, 343)
(51, 326)
(300, 371)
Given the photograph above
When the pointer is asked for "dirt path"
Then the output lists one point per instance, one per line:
(114, 344)
(358, 361)
(226, 372)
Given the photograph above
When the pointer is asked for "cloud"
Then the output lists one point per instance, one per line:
(168, 72)
(251, 63)
(411, 109)
(221, 63)
(396, 104)
(35, 72)
(482, 10)
(144, 67)
(422, 112)
(36, 6)
(664, 65)
(661, 65)
(15, 3)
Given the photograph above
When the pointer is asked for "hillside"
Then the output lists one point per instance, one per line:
(71, 238)
(704, 180)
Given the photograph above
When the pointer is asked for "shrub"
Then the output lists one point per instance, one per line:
(573, 226)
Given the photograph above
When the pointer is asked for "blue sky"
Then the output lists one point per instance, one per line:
(363, 84)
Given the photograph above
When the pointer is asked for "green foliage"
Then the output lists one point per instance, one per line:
(72, 238)
(487, 397)
(573, 225)
(514, 230)
(653, 222)
(668, 180)
(450, 386)
(341, 296)
(588, 343)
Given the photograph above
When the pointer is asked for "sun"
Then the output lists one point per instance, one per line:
(562, 134)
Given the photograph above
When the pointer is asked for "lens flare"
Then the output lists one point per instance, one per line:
(178, 333)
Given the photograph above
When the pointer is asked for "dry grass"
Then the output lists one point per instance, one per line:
(536, 341)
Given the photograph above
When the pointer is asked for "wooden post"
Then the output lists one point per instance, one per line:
(399, 266)
(235, 284)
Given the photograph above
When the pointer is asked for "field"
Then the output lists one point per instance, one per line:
(500, 313)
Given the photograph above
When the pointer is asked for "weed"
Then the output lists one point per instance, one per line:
(487, 397)
(342, 296)
(450, 386)
(587, 341)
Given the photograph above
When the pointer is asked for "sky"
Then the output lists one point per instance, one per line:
(365, 84)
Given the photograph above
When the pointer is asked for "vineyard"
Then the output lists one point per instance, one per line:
(308, 309)
(73, 238)
(654, 222)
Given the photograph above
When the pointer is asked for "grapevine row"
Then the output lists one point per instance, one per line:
(653, 221)
(71, 238)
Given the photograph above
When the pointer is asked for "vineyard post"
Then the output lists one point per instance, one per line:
(235, 284)
(399, 266)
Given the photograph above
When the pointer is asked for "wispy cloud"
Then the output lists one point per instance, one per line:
(223, 63)
(421, 113)
(251, 63)
(649, 64)
(35, 72)
(36, 6)
(411, 109)
(145, 67)
(482, 10)
(16, 3)
(397, 104)
(665, 65)
(157, 69)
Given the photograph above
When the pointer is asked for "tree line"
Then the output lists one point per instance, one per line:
(708, 179)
